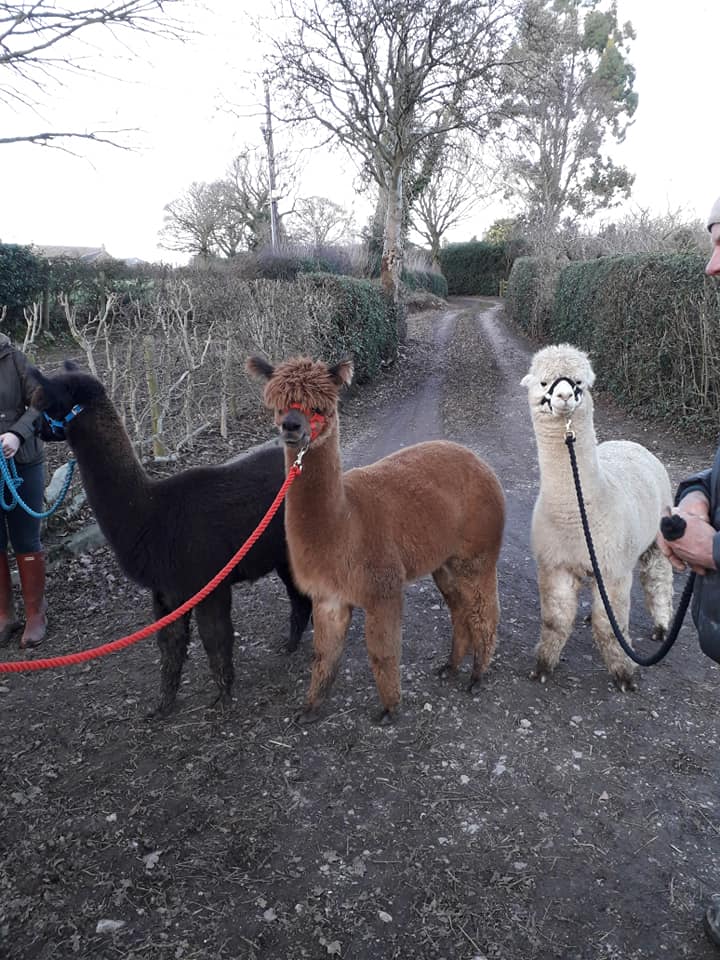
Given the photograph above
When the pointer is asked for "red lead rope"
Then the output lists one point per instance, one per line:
(21, 665)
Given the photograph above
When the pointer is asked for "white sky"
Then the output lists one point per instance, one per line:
(176, 93)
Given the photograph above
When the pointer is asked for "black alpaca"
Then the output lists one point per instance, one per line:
(173, 535)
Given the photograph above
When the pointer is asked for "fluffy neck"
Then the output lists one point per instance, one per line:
(556, 477)
(315, 504)
(117, 487)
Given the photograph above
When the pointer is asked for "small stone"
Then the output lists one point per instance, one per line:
(385, 917)
(109, 926)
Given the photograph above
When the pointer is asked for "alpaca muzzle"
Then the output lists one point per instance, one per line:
(563, 396)
(299, 425)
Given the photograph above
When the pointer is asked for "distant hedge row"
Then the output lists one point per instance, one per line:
(651, 324)
(475, 268)
(426, 280)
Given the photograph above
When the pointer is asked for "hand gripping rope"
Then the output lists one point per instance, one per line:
(671, 637)
(65, 661)
(9, 478)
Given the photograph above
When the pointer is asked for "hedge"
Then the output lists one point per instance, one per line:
(22, 276)
(426, 280)
(362, 323)
(475, 268)
(652, 326)
(530, 294)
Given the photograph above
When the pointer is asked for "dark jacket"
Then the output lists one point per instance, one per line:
(706, 595)
(16, 415)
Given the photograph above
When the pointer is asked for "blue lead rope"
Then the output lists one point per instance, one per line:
(12, 482)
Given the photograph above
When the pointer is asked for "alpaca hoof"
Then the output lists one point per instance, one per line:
(626, 682)
(445, 670)
(307, 716)
(541, 674)
(222, 702)
(385, 718)
(659, 634)
(162, 711)
(474, 683)
(292, 644)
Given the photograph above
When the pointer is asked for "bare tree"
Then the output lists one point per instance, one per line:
(318, 221)
(458, 183)
(42, 40)
(191, 221)
(383, 77)
(573, 95)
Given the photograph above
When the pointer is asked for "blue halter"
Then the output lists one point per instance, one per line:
(57, 427)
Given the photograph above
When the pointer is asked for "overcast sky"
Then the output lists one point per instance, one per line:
(178, 94)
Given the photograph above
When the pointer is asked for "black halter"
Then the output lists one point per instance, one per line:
(547, 398)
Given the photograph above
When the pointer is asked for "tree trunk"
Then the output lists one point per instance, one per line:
(392, 258)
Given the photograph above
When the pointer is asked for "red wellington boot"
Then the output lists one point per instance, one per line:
(32, 579)
(9, 623)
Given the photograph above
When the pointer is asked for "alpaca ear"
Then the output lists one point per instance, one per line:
(70, 366)
(526, 380)
(259, 368)
(342, 373)
(39, 396)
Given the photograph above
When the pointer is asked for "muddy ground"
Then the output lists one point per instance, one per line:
(567, 821)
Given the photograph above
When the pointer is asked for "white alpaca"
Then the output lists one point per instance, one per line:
(625, 489)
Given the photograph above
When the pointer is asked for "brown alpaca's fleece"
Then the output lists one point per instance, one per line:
(356, 538)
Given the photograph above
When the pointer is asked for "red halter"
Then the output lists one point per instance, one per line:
(316, 420)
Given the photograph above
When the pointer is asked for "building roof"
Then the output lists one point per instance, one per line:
(85, 254)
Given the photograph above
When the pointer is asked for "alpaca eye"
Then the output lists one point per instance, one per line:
(578, 383)
(317, 410)
(543, 383)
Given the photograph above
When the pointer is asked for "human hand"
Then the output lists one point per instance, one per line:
(694, 549)
(694, 504)
(10, 444)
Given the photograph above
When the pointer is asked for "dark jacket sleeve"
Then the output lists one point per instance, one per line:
(698, 481)
(24, 426)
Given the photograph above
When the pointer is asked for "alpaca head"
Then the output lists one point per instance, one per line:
(557, 381)
(303, 394)
(58, 396)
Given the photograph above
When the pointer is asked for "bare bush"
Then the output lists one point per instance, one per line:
(174, 366)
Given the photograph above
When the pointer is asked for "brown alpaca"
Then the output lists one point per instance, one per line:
(356, 538)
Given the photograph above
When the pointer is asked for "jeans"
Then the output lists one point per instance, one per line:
(22, 529)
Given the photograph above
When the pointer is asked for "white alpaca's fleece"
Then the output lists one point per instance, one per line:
(625, 488)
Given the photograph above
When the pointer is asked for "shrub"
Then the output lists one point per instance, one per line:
(361, 323)
(530, 294)
(22, 276)
(651, 324)
(426, 280)
(475, 268)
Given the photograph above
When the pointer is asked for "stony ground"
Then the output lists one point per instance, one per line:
(566, 821)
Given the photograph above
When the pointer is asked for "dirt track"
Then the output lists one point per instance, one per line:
(566, 821)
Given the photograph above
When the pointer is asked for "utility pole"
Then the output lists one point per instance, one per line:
(267, 133)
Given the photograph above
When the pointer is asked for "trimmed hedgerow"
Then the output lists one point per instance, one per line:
(361, 323)
(426, 280)
(530, 294)
(652, 325)
(475, 268)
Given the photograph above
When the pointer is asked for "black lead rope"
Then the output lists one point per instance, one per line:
(684, 599)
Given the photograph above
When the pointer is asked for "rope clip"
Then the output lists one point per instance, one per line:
(569, 432)
(299, 457)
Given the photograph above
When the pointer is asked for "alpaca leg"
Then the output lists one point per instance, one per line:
(331, 619)
(383, 635)
(618, 663)
(448, 587)
(172, 642)
(300, 608)
(656, 577)
(483, 605)
(558, 604)
(216, 632)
